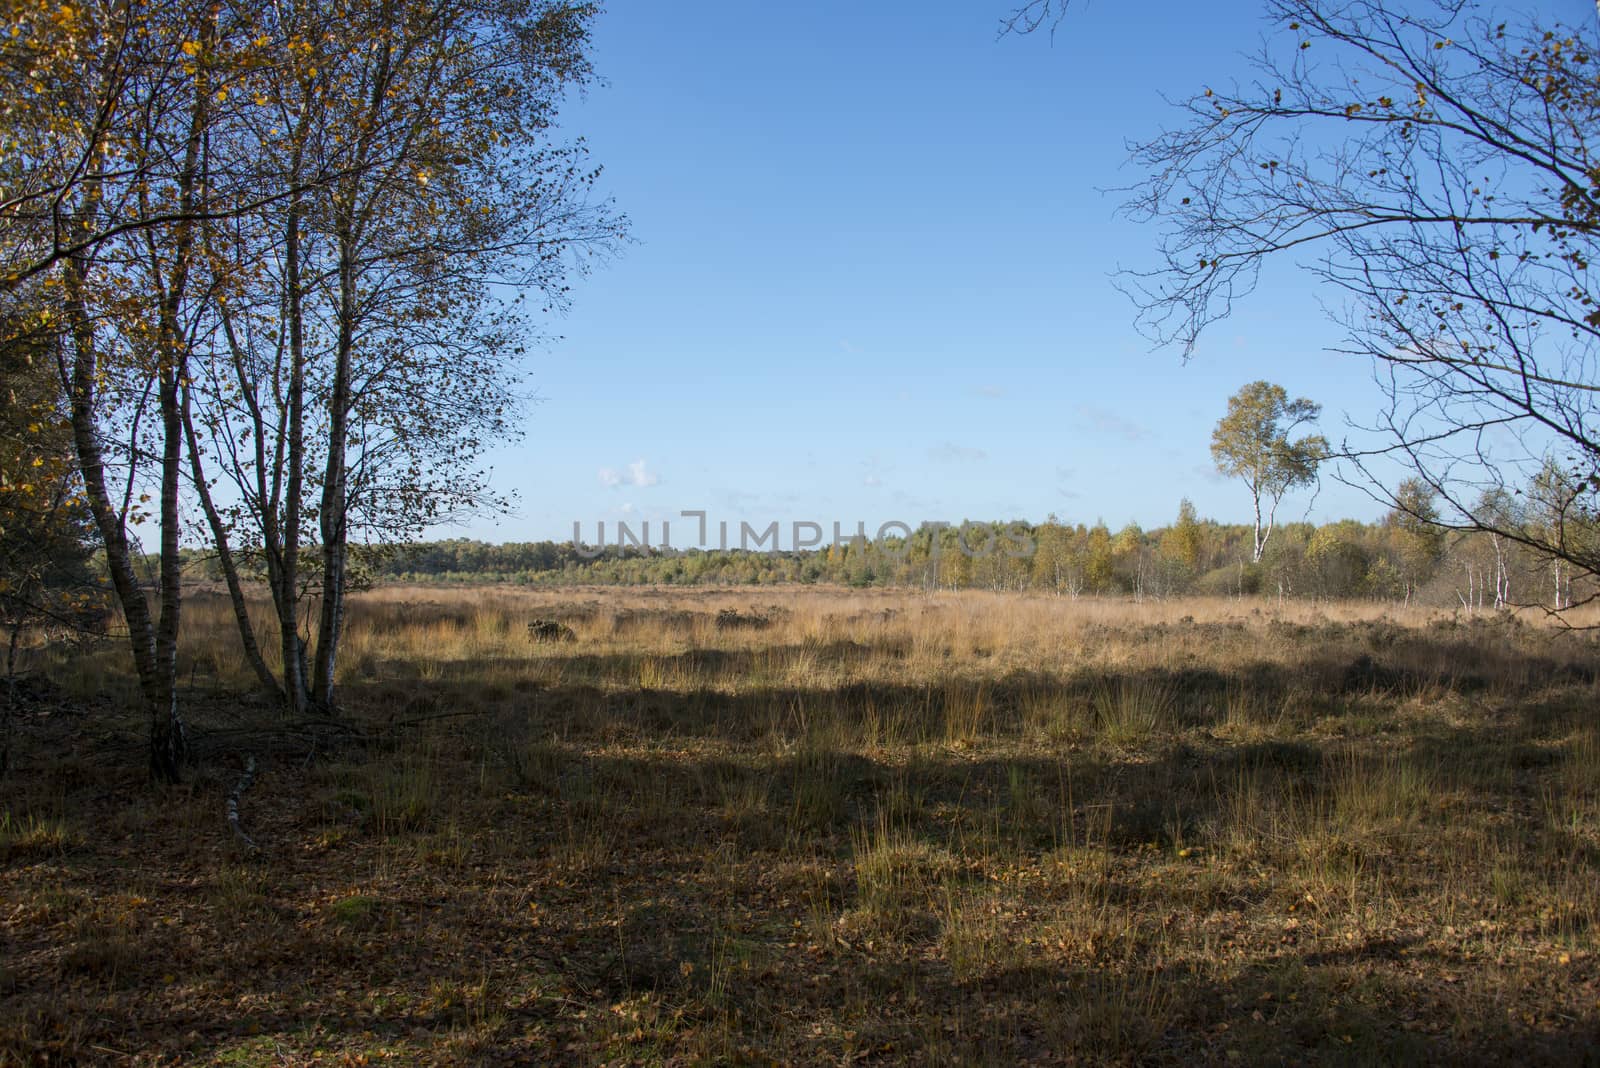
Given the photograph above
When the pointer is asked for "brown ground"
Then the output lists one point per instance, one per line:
(830, 827)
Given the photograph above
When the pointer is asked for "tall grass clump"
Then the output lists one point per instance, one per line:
(403, 795)
(967, 712)
(1132, 709)
(899, 878)
(1375, 793)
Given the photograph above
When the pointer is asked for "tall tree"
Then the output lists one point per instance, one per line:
(1253, 443)
(126, 110)
(1181, 542)
(1099, 568)
(356, 373)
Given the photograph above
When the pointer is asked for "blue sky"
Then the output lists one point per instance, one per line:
(872, 278)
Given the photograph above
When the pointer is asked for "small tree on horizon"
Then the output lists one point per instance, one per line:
(1178, 548)
(1252, 442)
(1419, 535)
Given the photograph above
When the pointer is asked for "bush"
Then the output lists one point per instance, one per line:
(1229, 581)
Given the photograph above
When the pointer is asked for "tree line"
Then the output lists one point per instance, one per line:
(1396, 559)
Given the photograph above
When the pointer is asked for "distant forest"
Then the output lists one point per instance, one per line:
(1395, 559)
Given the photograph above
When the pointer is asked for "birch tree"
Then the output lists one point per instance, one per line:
(105, 162)
(1253, 443)
(371, 353)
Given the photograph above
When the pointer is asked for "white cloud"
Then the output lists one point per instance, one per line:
(635, 474)
(948, 452)
(989, 392)
(640, 476)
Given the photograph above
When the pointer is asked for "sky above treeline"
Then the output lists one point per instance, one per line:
(873, 279)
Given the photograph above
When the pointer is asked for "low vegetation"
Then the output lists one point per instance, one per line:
(816, 825)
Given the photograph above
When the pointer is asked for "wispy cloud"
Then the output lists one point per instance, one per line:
(741, 500)
(988, 392)
(875, 469)
(948, 452)
(635, 474)
(1110, 423)
(915, 503)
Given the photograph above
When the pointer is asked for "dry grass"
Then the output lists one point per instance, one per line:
(785, 825)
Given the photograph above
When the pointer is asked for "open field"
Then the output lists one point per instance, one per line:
(824, 827)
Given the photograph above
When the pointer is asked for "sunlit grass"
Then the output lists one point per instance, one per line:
(827, 826)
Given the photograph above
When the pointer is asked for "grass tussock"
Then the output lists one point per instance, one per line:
(1132, 709)
(30, 837)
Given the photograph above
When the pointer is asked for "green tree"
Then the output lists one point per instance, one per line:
(1335, 559)
(1561, 525)
(1128, 552)
(1417, 534)
(1050, 559)
(1180, 546)
(1253, 443)
(1099, 566)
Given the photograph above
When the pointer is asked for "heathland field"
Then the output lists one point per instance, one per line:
(814, 826)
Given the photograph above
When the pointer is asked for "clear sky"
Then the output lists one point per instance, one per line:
(872, 278)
